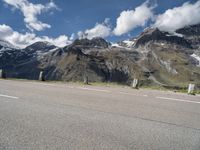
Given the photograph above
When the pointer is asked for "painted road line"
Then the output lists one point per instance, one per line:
(125, 93)
(92, 89)
(71, 87)
(45, 84)
(7, 96)
(179, 100)
(54, 85)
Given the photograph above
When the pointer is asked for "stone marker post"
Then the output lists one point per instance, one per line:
(41, 76)
(135, 83)
(191, 89)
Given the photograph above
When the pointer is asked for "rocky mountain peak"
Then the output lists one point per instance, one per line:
(41, 45)
(93, 43)
(73, 50)
(155, 57)
(155, 35)
(152, 31)
(193, 30)
(191, 34)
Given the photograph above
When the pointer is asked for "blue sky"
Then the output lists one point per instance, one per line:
(71, 16)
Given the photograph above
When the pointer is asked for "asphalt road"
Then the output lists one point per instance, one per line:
(58, 116)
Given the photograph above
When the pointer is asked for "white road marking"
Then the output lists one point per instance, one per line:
(54, 85)
(71, 87)
(127, 93)
(132, 94)
(179, 100)
(92, 89)
(46, 84)
(7, 96)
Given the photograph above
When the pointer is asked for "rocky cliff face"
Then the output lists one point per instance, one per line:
(192, 35)
(155, 35)
(154, 57)
(190, 30)
(94, 43)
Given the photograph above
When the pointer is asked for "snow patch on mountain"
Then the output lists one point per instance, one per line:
(197, 58)
(129, 43)
(168, 66)
(175, 34)
(116, 45)
(7, 44)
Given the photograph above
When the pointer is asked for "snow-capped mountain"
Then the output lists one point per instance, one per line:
(155, 57)
(6, 44)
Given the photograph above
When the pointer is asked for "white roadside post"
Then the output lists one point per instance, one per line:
(191, 89)
(135, 83)
(85, 80)
(41, 76)
(1, 73)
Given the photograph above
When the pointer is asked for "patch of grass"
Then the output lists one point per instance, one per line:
(107, 84)
(159, 88)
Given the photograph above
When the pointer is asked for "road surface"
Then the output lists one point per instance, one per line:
(58, 116)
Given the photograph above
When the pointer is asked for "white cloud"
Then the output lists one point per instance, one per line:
(179, 17)
(23, 40)
(31, 11)
(99, 30)
(5, 30)
(60, 41)
(130, 19)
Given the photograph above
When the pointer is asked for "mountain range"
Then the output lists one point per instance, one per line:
(154, 57)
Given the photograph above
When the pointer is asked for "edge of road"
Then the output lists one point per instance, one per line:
(99, 85)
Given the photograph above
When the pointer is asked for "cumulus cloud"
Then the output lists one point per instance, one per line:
(5, 30)
(130, 19)
(23, 40)
(179, 17)
(31, 12)
(99, 30)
